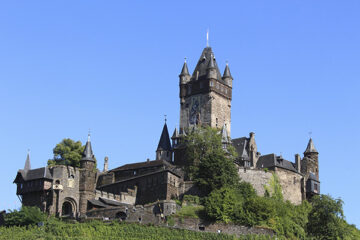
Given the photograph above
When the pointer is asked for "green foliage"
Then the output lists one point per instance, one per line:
(326, 220)
(208, 164)
(191, 199)
(274, 188)
(67, 152)
(55, 229)
(241, 205)
(191, 211)
(25, 216)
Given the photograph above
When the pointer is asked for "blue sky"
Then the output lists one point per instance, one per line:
(112, 66)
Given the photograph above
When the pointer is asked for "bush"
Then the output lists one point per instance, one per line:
(26, 216)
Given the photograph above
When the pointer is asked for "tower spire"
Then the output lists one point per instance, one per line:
(27, 162)
(88, 153)
(310, 147)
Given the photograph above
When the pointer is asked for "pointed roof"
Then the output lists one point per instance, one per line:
(310, 147)
(184, 70)
(27, 162)
(227, 73)
(175, 134)
(207, 56)
(224, 134)
(88, 153)
(164, 142)
(211, 62)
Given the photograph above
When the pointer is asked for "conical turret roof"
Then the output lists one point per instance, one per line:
(310, 147)
(175, 134)
(164, 142)
(227, 73)
(207, 56)
(184, 70)
(88, 153)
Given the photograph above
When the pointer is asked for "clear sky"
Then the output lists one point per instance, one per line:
(112, 66)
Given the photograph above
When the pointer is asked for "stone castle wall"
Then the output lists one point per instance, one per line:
(220, 111)
(290, 182)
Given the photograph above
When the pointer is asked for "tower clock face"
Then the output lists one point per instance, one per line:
(194, 110)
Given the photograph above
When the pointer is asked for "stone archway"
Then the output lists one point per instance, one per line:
(68, 208)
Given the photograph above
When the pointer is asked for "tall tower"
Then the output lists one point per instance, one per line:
(310, 169)
(205, 97)
(87, 177)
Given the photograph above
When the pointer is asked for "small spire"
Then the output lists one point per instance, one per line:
(164, 142)
(175, 134)
(88, 153)
(227, 73)
(27, 162)
(310, 147)
(211, 62)
(184, 70)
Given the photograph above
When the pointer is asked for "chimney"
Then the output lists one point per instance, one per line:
(148, 160)
(298, 162)
(106, 164)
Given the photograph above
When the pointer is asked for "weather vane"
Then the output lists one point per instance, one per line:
(165, 117)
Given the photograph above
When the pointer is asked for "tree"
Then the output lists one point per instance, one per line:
(209, 165)
(326, 220)
(26, 216)
(67, 152)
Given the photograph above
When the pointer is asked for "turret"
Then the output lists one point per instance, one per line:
(87, 177)
(175, 138)
(310, 168)
(227, 78)
(211, 68)
(184, 75)
(163, 151)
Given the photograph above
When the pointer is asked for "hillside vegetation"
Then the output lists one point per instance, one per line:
(55, 229)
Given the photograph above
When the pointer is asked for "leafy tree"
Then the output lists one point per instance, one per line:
(67, 152)
(209, 165)
(25, 216)
(326, 220)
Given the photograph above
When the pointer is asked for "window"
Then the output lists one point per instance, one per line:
(315, 187)
(201, 84)
(211, 84)
(216, 122)
(134, 172)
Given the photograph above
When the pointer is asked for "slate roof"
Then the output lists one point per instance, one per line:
(110, 202)
(175, 134)
(146, 164)
(184, 70)
(88, 153)
(203, 64)
(310, 147)
(271, 160)
(227, 73)
(97, 203)
(313, 177)
(164, 142)
(240, 145)
(32, 174)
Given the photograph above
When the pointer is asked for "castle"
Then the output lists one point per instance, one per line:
(142, 190)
